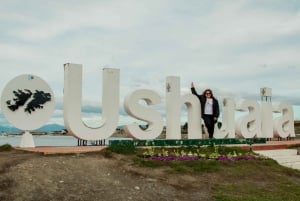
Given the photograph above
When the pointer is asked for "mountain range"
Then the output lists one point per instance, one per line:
(45, 128)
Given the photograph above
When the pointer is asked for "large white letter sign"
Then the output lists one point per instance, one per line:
(284, 125)
(174, 102)
(249, 126)
(267, 119)
(134, 109)
(227, 129)
(194, 116)
(72, 103)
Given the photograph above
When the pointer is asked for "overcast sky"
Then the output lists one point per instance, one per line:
(234, 47)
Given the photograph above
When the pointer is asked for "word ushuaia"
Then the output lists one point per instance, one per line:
(27, 102)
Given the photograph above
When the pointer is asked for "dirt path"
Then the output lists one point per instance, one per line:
(93, 176)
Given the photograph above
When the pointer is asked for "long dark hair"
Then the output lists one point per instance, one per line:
(208, 90)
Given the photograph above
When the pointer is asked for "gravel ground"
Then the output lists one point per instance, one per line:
(93, 176)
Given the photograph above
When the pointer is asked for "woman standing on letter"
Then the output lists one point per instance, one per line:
(209, 109)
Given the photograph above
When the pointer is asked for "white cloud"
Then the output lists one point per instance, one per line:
(233, 47)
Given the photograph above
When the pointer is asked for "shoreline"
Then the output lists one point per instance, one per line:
(117, 133)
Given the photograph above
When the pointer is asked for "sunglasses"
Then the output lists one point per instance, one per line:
(207, 93)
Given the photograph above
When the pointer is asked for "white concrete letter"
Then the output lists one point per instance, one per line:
(248, 126)
(134, 109)
(284, 125)
(267, 119)
(72, 103)
(227, 129)
(174, 102)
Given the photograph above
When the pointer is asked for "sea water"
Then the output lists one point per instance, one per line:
(40, 140)
(48, 140)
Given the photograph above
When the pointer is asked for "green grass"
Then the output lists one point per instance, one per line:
(279, 188)
(200, 166)
(256, 180)
(253, 180)
(195, 166)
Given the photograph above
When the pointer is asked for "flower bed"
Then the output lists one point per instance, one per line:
(217, 153)
(174, 158)
(194, 158)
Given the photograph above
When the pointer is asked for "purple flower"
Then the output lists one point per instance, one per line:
(174, 158)
(193, 158)
(235, 158)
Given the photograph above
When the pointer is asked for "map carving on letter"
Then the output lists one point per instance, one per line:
(26, 97)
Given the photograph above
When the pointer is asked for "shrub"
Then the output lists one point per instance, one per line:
(6, 147)
(122, 147)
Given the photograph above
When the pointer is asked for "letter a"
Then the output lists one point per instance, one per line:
(284, 125)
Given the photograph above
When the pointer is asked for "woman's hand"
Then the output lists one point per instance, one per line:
(215, 119)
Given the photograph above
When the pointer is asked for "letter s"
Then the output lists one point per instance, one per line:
(136, 110)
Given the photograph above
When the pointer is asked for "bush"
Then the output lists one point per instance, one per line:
(6, 147)
(122, 147)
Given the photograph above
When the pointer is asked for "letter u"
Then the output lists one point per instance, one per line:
(73, 103)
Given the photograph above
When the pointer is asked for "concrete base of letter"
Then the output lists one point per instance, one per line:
(27, 140)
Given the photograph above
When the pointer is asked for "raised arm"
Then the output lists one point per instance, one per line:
(193, 89)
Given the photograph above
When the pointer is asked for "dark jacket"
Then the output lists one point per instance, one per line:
(202, 99)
